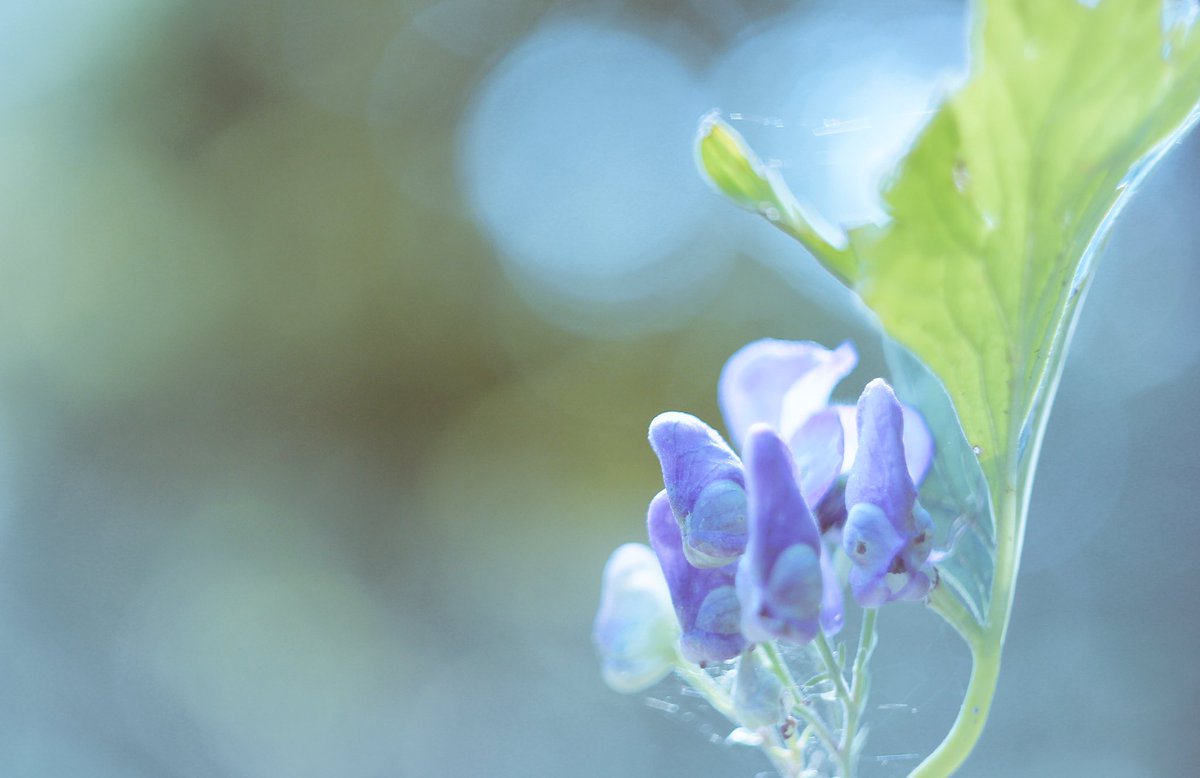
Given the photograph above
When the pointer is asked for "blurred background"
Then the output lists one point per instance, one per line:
(329, 335)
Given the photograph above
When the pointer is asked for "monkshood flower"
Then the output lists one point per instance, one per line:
(705, 487)
(780, 583)
(705, 600)
(635, 631)
(888, 535)
(787, 385)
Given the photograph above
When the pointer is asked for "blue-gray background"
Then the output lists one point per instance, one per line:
(329, 333)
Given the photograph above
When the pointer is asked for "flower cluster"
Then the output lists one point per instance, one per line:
(746, 545)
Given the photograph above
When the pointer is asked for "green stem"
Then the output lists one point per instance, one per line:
(986, 643)
(811, 719)
(710, 689)
(849, 715)
(835, 671)
(860, 679)
(813, 722)
(787, 761)
(805, 734)
(947, 605)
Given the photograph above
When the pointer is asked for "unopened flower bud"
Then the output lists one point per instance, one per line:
(635, 631)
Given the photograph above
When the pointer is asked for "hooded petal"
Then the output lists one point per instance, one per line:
(918, 440)
(880, 474)
(779, 577)
(704, 599)
(887, 536)
(635, 632)
(780, 383)
(705, 486)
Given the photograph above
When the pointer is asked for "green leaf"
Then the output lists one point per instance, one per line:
(734, 171)
(995, 206)
(998, 208)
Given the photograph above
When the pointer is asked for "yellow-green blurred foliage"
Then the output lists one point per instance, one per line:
(302, 473)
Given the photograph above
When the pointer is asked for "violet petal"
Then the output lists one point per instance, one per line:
(705, 486)
(880, 474)
(870, 540)
(779, 576)
(768, 380)
(705, 601)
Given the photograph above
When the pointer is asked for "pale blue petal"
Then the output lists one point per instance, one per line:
(832, 607)
(818, 446)
(918, 444)
(764, 376)
(635, 632)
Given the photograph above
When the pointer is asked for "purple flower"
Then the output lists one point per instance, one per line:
(705, 486)
(780, 383)
(887, 535)
(781, 581)
(787, 385)
(635, 631)
(705, 600)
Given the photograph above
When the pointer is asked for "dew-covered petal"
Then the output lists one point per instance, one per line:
(635, 631)
(880, 474)
(759, 696)
(705, 486)
(779, 577)
(705, 601)
(780, 383)
(818, 446)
